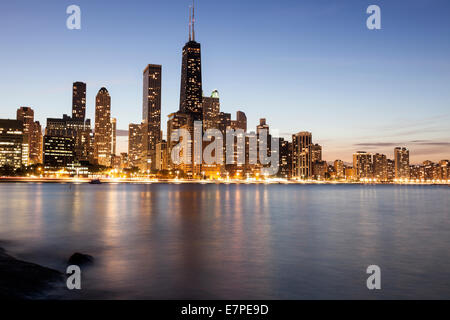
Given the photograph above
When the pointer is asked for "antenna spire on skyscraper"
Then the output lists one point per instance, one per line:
(193, 20)
(190, 23)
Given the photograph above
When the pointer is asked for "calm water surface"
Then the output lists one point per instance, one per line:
(168, 241)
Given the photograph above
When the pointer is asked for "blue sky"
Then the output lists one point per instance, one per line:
(304, 65)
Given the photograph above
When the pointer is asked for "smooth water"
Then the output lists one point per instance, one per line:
(175, 241)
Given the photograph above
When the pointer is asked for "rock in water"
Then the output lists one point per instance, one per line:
(80, 259)
(25, 280)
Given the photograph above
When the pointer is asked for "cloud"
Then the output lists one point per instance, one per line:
(430, 143)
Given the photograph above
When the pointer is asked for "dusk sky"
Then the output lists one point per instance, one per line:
(303, 65)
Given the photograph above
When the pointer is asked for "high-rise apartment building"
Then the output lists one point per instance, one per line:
(79, 101)
(151, 114)
(285, 159)
(103, 133)
(302, 155)
(380, 167)
(161, 155)
(362, 165)
(241, 121)
(211, 110)
(316, 152)
(11, 142)
(339, 168)
(401, 158)
(113, 136)
(32, 134)
(134, 145)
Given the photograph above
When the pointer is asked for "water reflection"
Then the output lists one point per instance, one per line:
(235, 241)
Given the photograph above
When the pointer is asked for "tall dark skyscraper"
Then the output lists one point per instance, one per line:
(79, 101)
(151, 114)
(191, 75)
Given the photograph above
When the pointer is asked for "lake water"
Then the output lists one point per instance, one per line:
(176, 241)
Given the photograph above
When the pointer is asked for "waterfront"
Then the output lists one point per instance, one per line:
(236, 241)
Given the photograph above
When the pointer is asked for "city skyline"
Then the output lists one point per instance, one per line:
(424, 130)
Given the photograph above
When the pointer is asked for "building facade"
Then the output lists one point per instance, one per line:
(401, 158)
(79, 101)
(302, 155)
(11, 141)
(103, 131)
(134, 145)
(151, 114)
(362, 165)
(191, 75)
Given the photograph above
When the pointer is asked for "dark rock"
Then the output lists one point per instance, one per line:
(80, 259)
(25, 280)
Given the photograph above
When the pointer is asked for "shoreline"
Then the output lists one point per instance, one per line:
(26, 280)
(195, 181)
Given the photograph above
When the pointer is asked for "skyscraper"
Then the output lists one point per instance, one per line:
(59, 151)
(134, 144)
(362, 165)
(285, 159)
(151, 114)
(339, 169)
(79, 101)
(191, 75)
(211, 110)
(113, 135)
(380, 167)
(32, 134)
(102, 134)
(401, 158)
(11, 141)
(176, 120)
(241, 121)
(26, 116)
(316, 152)
(302, 155)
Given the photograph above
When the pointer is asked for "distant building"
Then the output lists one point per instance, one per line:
(32, 134)
(124, 160)
(362, 165)
(445, 169)
(103, 132)
(260, 129)
(302, 155)
(151, 114)
(191, 75)
(59, 151)
(176, 121)
(390, 169)
(223, 122)
(316, 152)
(241, 120)
(416, 172)
(11, 141)
(116, 162)
(401, 158)
(339, 168)
(161, 155)
(211, 110)
(320, 169)
(380, 167)
(113, 136)
(134, 145)
(285, 159)
(349, 173)
(77, 129)
(79, 101)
